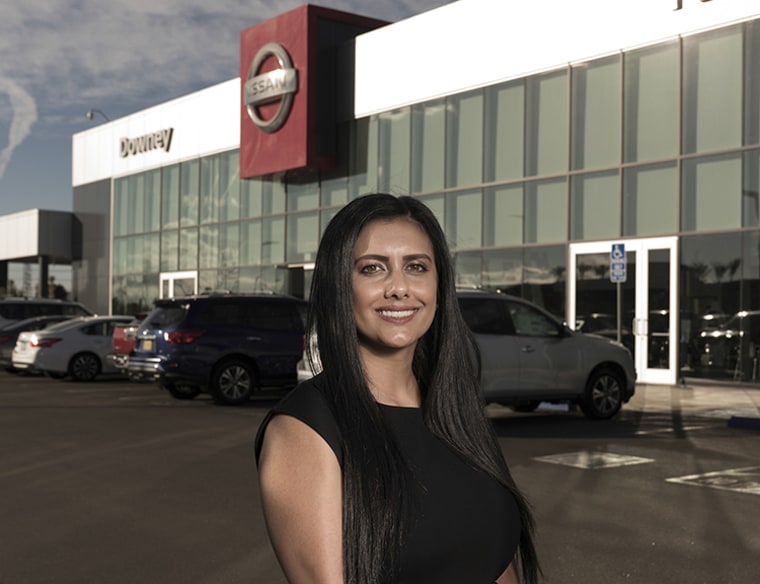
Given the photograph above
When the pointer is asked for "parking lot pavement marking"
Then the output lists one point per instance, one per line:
(740, 480)
(665, 430)
(593, 460)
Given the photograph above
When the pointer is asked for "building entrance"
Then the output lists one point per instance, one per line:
(641, 311)
(176, 284)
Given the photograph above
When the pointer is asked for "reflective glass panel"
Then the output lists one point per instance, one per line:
(120, 206)
(650, 199)
(595, 206)
(546, 211)
(596, 113)
(169, 250)
(394, 154)
(250, 243)
(751, 190)
(547, 127)
(170, 197)
(504, 132)
(712, 193)
(468, 269)
(273, 240)
(503, 217)
(303, 237)
(464, 139)
(209, 246)
(650, 102)
(188, 197)
(188, 249)
(152, 209)
(229, 186)
(752, 83)
(502, 270)
(363, 157)
(464, 219)
(544, 273)
(713, 90)
(428, 146)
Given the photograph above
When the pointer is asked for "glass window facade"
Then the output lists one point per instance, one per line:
(660, 140)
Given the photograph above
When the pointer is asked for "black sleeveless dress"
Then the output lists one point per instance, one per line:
(466, 525)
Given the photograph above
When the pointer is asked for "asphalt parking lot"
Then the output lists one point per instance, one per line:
(113, 482)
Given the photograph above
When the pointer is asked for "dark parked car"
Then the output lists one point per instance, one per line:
(10, 331)
(227, 345)
(13, 309)
(605, 325)
(529, 356)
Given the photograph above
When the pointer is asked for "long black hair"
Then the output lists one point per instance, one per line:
(374, 473)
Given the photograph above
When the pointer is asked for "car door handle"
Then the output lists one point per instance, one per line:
(527, 349)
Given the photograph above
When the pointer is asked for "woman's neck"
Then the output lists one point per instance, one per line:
(391, 379)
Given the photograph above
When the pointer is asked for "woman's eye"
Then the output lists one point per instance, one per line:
(418, 267)
(370, 269)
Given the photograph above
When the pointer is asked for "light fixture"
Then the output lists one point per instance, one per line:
(91, 114)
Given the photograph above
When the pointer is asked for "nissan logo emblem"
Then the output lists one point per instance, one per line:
(277, 85)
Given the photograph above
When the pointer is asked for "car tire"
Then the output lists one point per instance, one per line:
(84, 367)
(525, 406)
(182, 390)
(233, 382)
(604, 394)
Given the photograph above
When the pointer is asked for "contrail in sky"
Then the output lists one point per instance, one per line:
(23, 115)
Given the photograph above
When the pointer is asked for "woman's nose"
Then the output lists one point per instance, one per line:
(397, 285)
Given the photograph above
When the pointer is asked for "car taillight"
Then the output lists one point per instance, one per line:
(181, 337)
(44, 343)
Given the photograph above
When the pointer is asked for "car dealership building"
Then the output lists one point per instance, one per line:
(598, 158)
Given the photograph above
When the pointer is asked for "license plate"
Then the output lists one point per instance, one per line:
(147, 344)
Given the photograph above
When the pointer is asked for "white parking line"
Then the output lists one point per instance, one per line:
(740, 480)
(593, 460)
(667, 430)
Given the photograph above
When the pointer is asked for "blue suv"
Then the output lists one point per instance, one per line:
(226, 345)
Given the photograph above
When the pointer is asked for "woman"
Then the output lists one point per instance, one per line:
(384, 468)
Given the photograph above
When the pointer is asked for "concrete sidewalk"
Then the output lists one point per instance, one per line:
(739, 405)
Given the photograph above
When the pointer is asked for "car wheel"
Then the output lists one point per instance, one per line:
(233, 383)
(182, 390)
(84, 367)
(604, 394)
(525, 406)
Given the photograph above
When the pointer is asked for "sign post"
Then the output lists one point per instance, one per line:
(618, 276)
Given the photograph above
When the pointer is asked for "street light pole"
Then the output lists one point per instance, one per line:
(91, 114)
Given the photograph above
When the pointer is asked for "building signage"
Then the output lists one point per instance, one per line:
(161, 140)
(293, 89)
(617, 263)
(278, 85)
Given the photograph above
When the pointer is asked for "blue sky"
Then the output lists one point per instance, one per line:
(61, 58)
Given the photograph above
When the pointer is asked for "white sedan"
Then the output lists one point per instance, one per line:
(78, 348)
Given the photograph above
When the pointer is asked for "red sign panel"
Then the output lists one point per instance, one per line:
(288, 66)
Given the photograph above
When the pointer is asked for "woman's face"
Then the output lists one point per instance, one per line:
(394, 285)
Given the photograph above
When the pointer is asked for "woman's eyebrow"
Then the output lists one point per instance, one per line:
(382, 258)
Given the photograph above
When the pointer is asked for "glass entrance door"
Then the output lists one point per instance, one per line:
(640, 312)
(176, 284)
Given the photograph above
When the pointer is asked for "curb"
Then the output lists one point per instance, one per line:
(746, 423)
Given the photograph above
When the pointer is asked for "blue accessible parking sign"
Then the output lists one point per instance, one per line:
(617, 263)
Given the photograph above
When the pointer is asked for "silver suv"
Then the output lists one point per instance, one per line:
(528, 356)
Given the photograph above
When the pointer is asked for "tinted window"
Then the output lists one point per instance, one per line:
(167, 315)
(486, 316)
(530, 322)
(275, 316)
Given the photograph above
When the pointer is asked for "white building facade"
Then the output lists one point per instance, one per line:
(544, 135)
